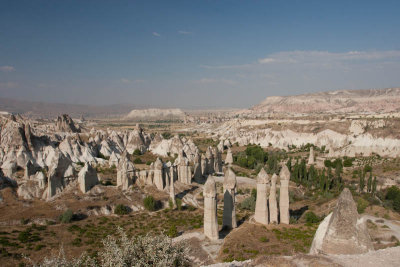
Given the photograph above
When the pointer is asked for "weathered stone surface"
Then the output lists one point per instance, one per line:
(261, 212)
(204, 163)
(172, 187)
(210, 160)
(6, 181)
(229, 157)
(58, 167)
(229, 214)
(41, 179)
(158, 174)
(29, 170)
(125, 172)
(342, 231)
(197, 174)
(217, 160)
(210, 209)
(273, 205)
(284, 195)
(184, 170)
(311, 158)
(64, 123)
(87, 178)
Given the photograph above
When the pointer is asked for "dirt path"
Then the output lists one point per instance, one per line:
(391, 224)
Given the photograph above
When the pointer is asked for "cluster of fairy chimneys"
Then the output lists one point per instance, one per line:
(266, 204)
(162, 175)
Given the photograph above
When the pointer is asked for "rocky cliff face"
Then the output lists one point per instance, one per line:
(343, 101)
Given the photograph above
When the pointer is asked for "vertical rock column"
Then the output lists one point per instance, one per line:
(311, 157)
(210, 209)
(284, 195)
(125, 172)
(158, 174)
(273, 206)
(210, 161)
(217, 160)
(261, 213)
(229, 215)
(197, 174)
(229, 158)
(172, 187)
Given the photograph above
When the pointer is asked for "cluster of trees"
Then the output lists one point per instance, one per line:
(254, 157)
(325, 180)
(370, 184)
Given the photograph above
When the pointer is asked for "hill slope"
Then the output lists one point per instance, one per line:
(353, 101)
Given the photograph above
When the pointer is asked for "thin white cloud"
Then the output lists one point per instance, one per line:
(7, 68)
(156, 34)
(324, 58)
(126, 81)
(184, 32)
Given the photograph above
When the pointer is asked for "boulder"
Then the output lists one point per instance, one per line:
(342, 231)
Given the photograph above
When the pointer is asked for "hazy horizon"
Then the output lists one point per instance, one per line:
(194, 55)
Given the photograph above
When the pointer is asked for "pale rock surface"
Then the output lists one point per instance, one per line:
(125, 172)
(158, 174)
(229, 157)
(210, 160)
(64, 123)
(197, 173)
(342, 231)
(210, 209)
(311, 158)
(284, 195)
(263, 186)
(87, 178)
(273, 205)
(58, 167)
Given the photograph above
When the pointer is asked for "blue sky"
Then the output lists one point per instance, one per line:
(194, 53)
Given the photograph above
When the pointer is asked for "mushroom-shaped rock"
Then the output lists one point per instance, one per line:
(342, 231)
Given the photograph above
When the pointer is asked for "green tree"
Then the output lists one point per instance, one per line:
(374, 186)
(369, 183)
(361, 175)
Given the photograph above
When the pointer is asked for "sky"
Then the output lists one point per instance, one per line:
(194, 54)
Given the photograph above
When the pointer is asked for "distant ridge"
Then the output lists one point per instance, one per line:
(340, 101)
(52, 110)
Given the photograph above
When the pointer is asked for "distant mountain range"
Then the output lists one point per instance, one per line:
(51, 110)
(341, 101)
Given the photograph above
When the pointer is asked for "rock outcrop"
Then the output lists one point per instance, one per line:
(229, 157)
(311, 158)
(125, 172)
(64, 123)
(342, 231)
(210, 209)
(261, 212)
(229, 214)
(87, 178)
(284, 195)
(273, 205)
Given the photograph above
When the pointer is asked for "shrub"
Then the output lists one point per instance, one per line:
(67, 216)
(121, 209)
(248, 204)
(149, 203)
(392, 192)
(178, 203)
(137, 161)
(137, 152)
(264, 239)
(166, 135)
(362, 204)
(311, 217)
(172, 231)
(170, 204)
(348, 162)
